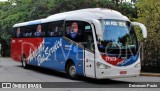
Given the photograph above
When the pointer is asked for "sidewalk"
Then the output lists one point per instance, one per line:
(150, 74)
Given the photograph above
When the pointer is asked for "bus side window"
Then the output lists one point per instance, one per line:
(17, 32)
(80, 32)
(55, 29)
(74, 31)
(40, 31)
(14, 32)
(23, 31)
(28, 30)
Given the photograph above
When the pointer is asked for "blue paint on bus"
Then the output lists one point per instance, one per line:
(55, 52)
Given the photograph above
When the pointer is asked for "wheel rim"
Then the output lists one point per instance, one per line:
(72, 71)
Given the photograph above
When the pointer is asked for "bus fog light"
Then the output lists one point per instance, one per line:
(102, 66)
(138, 65)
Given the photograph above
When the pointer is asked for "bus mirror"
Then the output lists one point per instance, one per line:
(98, 28)
(144, 30)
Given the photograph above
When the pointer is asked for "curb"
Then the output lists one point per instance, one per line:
(150, 74)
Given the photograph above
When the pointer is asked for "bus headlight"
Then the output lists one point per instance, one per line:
(102, 66)
(138, 65)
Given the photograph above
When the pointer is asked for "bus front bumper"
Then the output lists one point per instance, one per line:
(117, 73)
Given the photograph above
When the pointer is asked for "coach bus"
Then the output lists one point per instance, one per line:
(95, 42)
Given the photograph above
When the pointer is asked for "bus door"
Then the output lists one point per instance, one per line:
(89, 55)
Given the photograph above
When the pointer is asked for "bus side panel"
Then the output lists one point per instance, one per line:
(20, 46)
(30, 45)
(16, 49)
(54, 52)
(47, 54)
(76, 53)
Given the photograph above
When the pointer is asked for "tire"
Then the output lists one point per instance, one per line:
(2, 54)
(71, 71)
(24, 63)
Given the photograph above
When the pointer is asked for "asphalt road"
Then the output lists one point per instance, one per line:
(11, 71)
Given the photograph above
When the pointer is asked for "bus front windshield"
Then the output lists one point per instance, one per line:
(117, 36)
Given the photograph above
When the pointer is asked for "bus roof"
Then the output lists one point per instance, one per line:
(90, 13)
(28, 23)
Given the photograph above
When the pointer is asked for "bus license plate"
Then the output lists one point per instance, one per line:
(123, 72)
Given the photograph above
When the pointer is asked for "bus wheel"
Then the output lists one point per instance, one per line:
(24, 63)
(71, 71)
(2, 54)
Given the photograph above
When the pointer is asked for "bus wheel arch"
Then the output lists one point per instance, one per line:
(70, 69)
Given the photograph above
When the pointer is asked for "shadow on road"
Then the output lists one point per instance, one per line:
(80, 78)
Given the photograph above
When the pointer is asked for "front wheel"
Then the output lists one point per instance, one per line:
(71, 71)
(24, 63)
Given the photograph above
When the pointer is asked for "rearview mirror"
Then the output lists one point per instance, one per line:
(143, 28)
(98, 28)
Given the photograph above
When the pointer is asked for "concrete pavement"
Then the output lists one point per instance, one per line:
(11, 71)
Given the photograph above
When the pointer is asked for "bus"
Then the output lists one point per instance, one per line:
(94, 42)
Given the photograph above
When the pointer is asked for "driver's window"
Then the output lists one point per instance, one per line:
(80, 32)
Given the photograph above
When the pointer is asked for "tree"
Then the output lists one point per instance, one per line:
(16, 11)
(149, 14)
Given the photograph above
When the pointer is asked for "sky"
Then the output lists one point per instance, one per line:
(3, 0)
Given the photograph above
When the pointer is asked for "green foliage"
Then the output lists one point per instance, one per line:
(16, 11)
(149, 14)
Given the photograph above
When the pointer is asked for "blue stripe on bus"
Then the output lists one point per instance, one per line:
(55, 52)
(129, 61)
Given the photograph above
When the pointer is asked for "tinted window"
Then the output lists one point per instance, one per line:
(17, 32)
(55, 28)
(35, 30)
(75, 30)
(79, 31)
(40, 30)
(28, 30)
